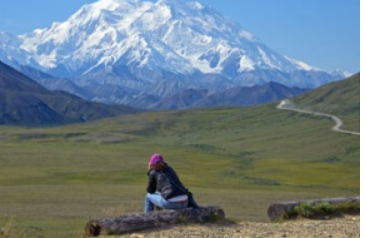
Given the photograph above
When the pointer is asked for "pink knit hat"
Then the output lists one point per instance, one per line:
(156, 158)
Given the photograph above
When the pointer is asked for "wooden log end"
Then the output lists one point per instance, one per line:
(92, 229)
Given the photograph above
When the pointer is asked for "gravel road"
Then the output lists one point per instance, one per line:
(286, 105)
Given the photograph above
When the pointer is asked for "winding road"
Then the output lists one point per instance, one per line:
(287, 105)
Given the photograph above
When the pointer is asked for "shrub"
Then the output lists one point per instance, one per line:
(313, 210)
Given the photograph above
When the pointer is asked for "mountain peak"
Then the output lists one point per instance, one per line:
(108, 4)
(196, 5)
(169, 36)
(193, 5)
(168, 2)
(115, 6)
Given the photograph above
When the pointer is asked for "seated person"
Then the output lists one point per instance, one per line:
(165, 190)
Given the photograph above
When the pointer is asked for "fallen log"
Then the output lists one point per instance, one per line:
(279, 211)
(159, 219)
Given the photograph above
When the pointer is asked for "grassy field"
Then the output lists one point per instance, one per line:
(53, 180)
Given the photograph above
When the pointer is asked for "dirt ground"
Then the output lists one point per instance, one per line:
(340, 227)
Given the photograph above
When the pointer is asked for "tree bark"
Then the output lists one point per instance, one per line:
(142, 221)
(278, 211)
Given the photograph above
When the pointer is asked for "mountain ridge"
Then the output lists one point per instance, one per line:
(25, 102)
(236, 96)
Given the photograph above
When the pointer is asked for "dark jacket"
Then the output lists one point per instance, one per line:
(163, 180)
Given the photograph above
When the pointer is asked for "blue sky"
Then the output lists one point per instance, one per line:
(322, 33)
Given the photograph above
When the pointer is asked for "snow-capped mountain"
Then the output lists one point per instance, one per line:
(137, 45)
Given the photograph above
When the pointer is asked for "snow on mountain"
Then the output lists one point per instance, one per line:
(170, 35)
(92, 36)
(148, 40)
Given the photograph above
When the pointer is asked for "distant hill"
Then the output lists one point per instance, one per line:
(237, 96)
(25, 102)
(250, 96)
(184, 99)
(341, 98)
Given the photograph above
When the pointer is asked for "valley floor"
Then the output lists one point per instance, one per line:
(345, 227)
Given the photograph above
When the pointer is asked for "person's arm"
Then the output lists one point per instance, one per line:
(151, 186)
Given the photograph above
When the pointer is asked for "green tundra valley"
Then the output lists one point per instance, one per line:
(53, 180)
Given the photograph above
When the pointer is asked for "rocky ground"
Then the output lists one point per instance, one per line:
(344, 227)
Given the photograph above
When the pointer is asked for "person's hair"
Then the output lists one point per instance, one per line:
(159, 166)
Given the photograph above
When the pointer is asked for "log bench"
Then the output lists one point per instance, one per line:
(278, 211)
(158, 219)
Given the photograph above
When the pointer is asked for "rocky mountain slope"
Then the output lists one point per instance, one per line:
(25, 102)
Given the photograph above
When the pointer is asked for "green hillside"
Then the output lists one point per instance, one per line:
(242, 159)
(341, 98)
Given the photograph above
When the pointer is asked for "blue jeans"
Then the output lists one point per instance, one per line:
(156, 199)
